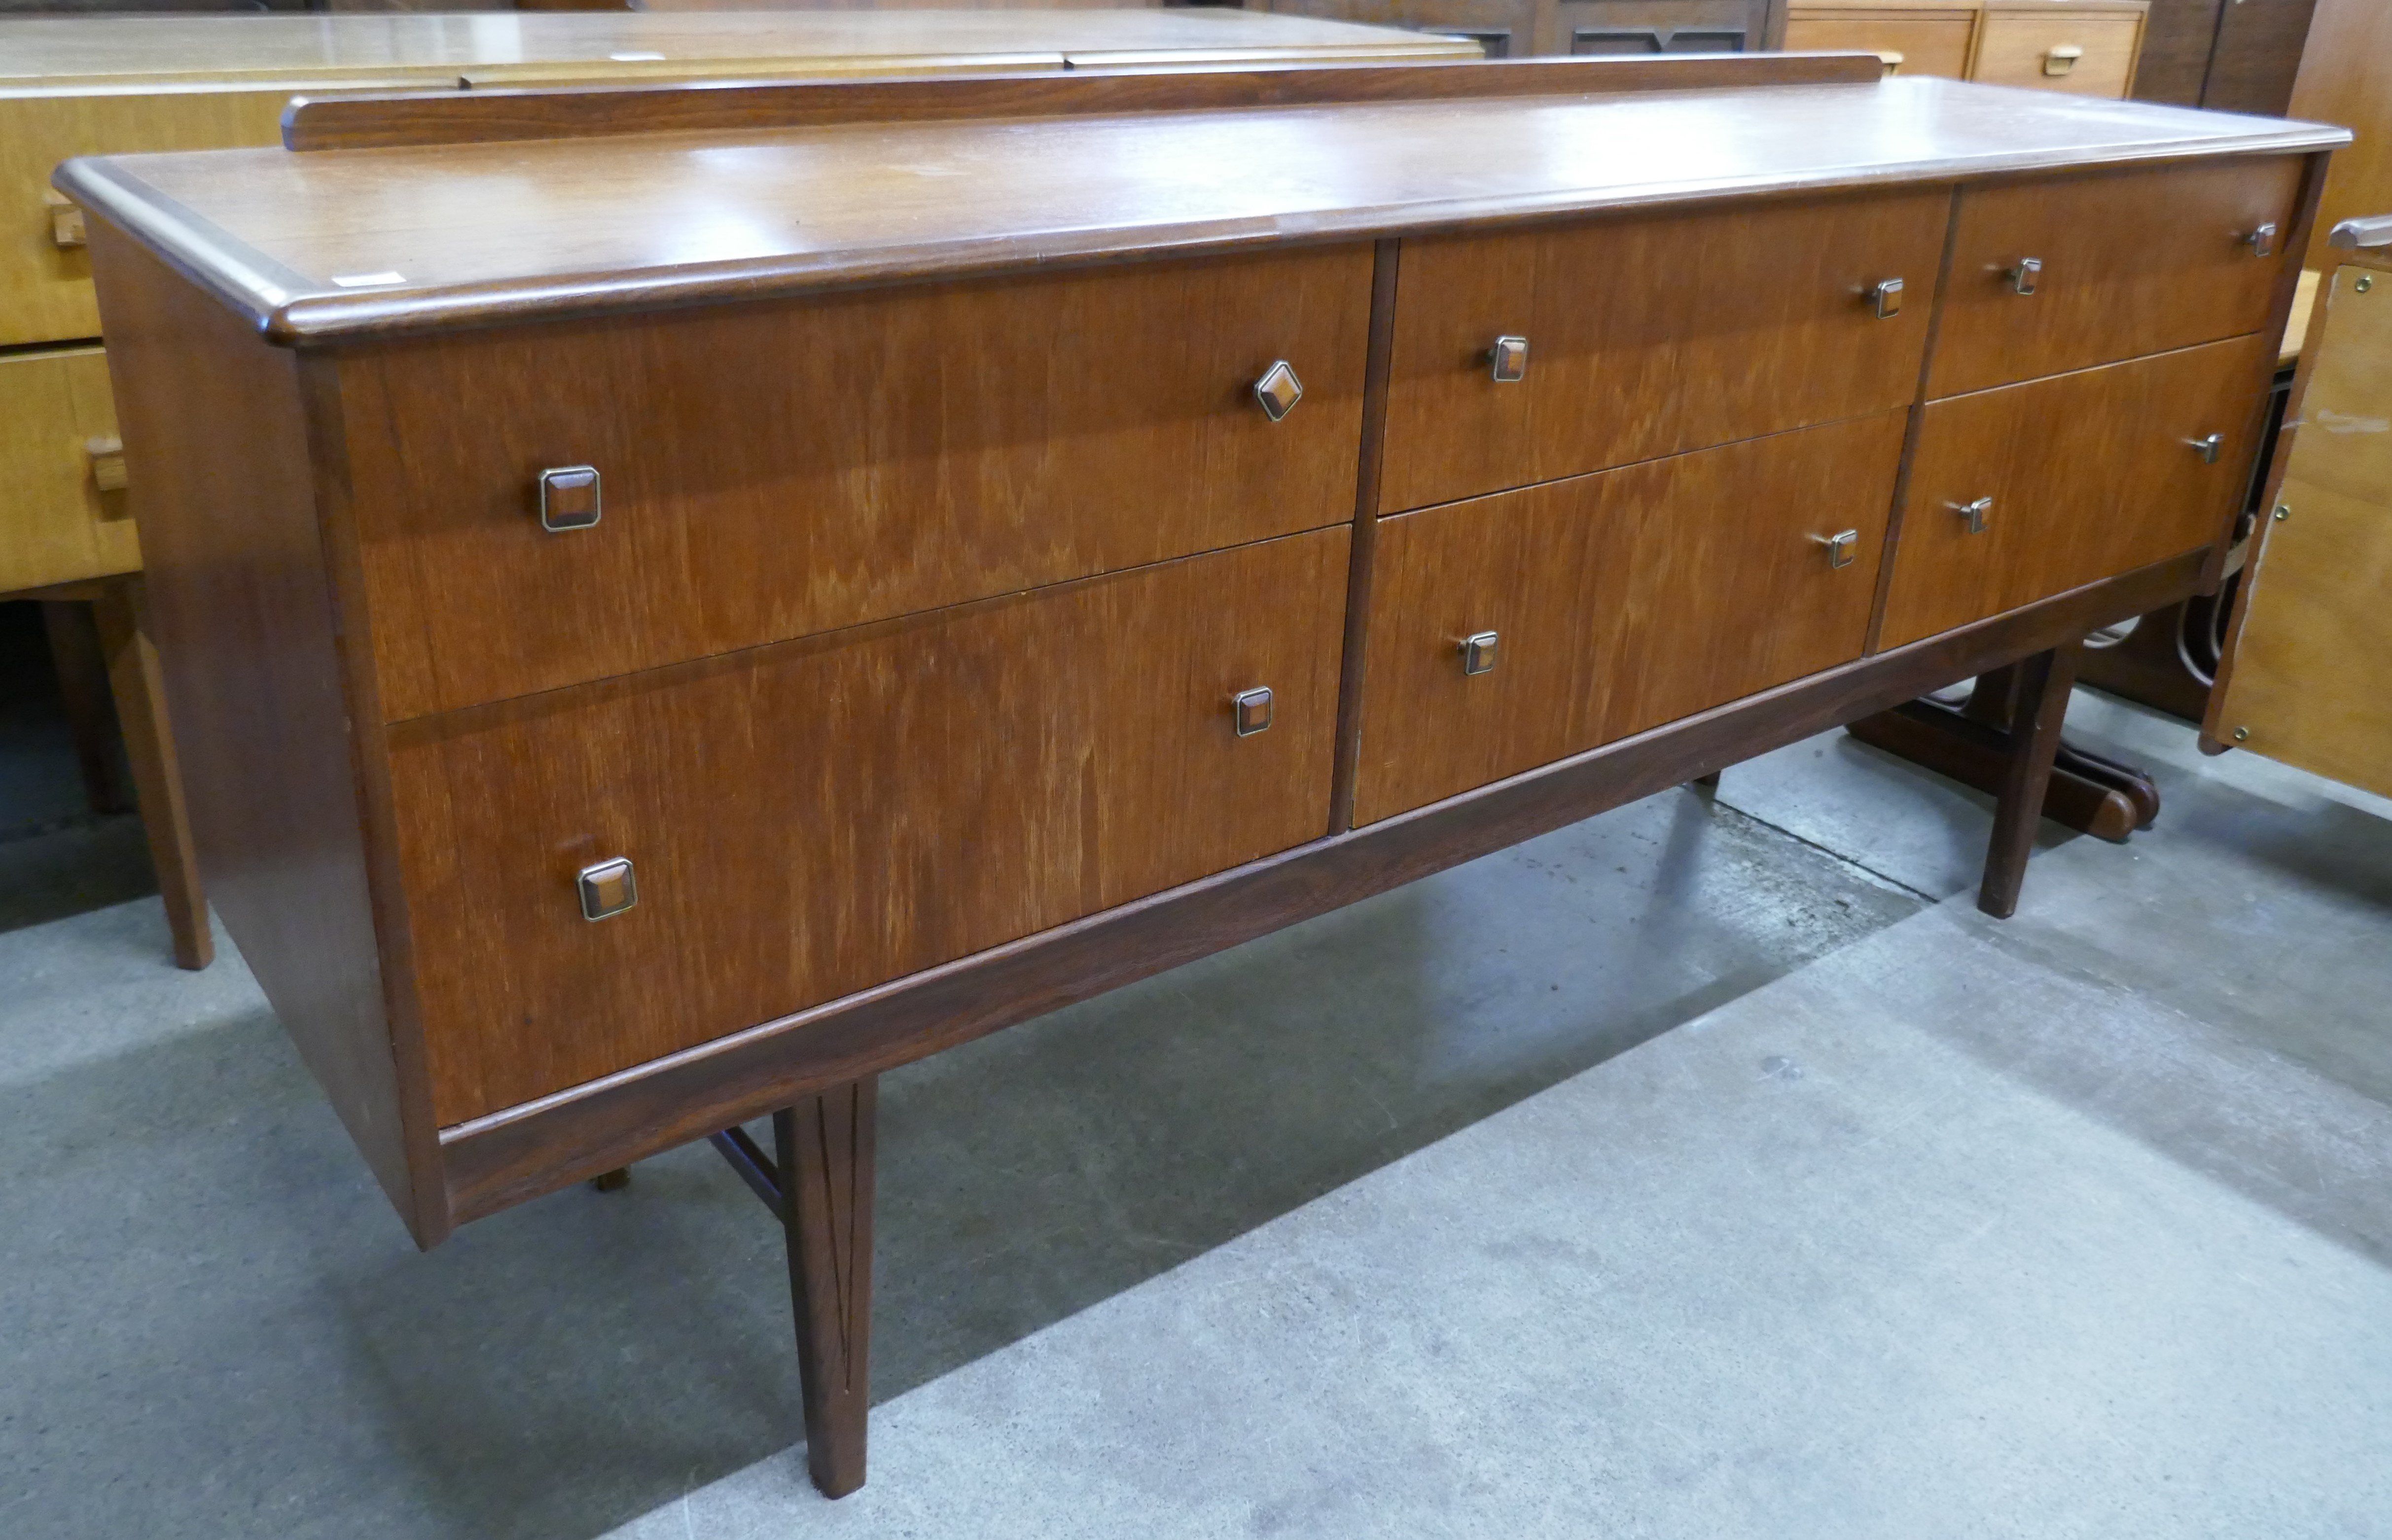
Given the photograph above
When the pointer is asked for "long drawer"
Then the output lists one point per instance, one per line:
(1651, 336)
(62, 496)
(824, 816)
(1615, 603)
(2050, 277)
(2072, 481)
(778, 472)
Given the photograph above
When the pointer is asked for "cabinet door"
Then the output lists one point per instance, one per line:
(1619, 602)
(62, 505)
(2308, 675)
(812, 819)
(2088, 476)
(2130, 263)
(1650, 336)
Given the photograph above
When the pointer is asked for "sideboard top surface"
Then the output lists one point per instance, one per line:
(334, 246)
(83, 53)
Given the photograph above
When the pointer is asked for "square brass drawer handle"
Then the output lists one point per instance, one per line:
(1478, 653)
(569, 498)
(607, 888)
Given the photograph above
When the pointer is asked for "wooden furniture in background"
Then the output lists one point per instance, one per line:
(78, 88)
(2229, 56)
(1520, 29)
(1234, 518)
(2088, 47)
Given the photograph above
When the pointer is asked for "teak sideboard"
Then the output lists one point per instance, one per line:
(680, 600)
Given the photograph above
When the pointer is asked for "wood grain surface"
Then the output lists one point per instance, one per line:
(2015, 42)
(508, 1157)
(252, 636)
(2133, 264)
(2258, 56)
(1621, 601)
(2346, 77)
(773, 472)
(57, 525)
(2091, 474)
(816, 818)
(477, 234)
(1651, 336)
(1932, 39)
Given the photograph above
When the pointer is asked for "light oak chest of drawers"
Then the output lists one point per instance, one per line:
(640, 684)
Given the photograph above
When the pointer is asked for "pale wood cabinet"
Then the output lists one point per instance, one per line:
(2080, 47)
(636, 682)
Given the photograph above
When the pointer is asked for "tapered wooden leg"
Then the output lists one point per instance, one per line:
(824, 1146)
(2043, 683)
(141, 692)
(83, 685)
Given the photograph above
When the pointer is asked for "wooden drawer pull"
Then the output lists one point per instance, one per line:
(1891, 59)
(1279, 390)
(1887, 296)
(1840, 546)
(1251, 710)
(2061, 60)
(1478, 653)
(65, 221)
(1973, 515)
(107, 463)
(608, 889)
(1509, 358)
(569, 498)
(2026, 276)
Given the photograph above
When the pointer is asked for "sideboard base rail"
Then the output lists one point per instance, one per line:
(504, 1158)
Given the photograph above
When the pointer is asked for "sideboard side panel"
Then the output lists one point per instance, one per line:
(217, 456)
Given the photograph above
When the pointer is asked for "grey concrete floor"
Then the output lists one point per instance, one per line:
(1419, 1219)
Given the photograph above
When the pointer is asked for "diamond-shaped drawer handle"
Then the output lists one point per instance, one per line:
(1279, 390)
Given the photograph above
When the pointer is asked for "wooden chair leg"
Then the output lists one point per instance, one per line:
(134, 676)
(83, 684)
(823, 1147)
(2043, 683)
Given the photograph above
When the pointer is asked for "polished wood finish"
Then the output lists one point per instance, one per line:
(510, 232)
(263, 667)
(1622, 601)
(58, 525)
(2090, 473)
(1077, 741)
(2258, 55)
(2177, 38)
(2041, 710)
(2308, 675)
(773, 472)
(2346, 77)
(504, 1159)
(2133, 263)
(139, 688)
(2020, 42)
(1931, 39)
(825, 1149)
(1650, 337)
(1362, 573)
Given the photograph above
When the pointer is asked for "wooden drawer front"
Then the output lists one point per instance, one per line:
(2133, 263)
(1649, 337)
(1930, 42)
(62, 514)
(2021, 47)
(45, 285)
(2091, 475)
(774, 473)
(1620, 601)
(821, 816)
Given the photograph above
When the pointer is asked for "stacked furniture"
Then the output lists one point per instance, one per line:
(680, 601)
(81, 86)
(2088, 48)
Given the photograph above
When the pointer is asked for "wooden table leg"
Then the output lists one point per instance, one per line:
(824, 1148)
(82, 686)
(2040, 710)
(140, 692)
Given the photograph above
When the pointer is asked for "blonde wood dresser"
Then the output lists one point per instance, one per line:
(670, 624)
(81, 86)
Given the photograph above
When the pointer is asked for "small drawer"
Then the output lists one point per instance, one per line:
(2050, 277)
(2086, 50)
(763, 473)
(1925, 41)
(1612, 603)
(605, 875)
(62, 497)
(2020, 493)
(1650, 336)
